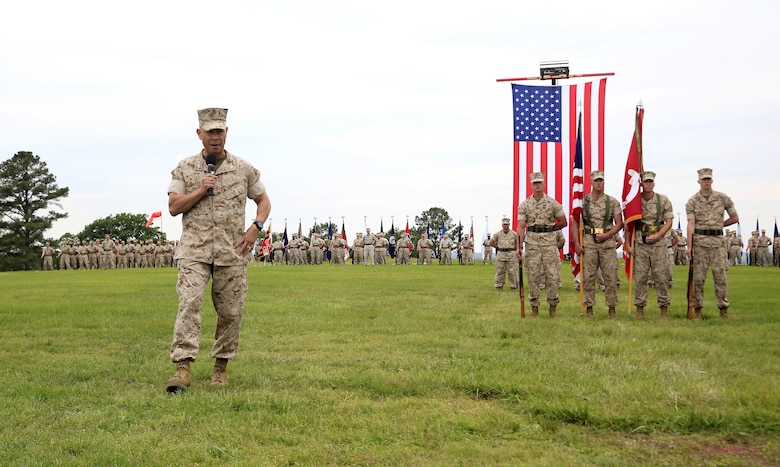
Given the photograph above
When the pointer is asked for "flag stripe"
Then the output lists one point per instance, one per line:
(534, 154)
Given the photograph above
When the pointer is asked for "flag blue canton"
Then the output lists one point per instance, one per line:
(537, 113)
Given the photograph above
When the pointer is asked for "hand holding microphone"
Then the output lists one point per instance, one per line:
(211, 161)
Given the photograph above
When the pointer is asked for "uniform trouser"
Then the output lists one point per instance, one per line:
(228, 291)
(651, 261)
(424, 256)
(504, 269)
(402, 256)
(670, 271)
(593, 259)
(446, 256)
(488, 256)
(368, 255)
(357, 255)
(704, 258)
(380, 256)
(535, 256)
(763, 256)
(316, 255)
(48, 264)
(468, 256)
(83, 262)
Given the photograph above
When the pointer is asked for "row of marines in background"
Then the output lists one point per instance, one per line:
(109, 254)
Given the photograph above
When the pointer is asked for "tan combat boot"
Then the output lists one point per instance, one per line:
(664, 312)
(640, 312)
(612, 313)
(589, 312)
(697, 314)
(724, 313)
(534, 311)
(219, 376)
(180, 381)
(552, 311)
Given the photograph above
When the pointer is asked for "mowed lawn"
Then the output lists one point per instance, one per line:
(386, 365)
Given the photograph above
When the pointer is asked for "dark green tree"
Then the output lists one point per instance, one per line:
(122, 226)
(27, 192)
(433, 218)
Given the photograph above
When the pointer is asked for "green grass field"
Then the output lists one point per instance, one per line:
(347, 365)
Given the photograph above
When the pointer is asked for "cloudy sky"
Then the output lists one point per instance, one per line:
(373, 112)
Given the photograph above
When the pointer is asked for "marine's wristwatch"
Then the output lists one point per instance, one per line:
(258, 224)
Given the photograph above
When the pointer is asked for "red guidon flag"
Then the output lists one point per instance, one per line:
(154, 216)
(632, 202)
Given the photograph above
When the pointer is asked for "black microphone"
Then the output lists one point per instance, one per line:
(211, 161)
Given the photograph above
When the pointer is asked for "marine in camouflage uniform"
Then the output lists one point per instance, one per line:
(277, 248)
(706, 245)
(507, 247)
(402, 254)
(650, 251)
(317, 244)
(487, 251)
(541, 216)
(446, 250)
(735, 249)
(764, 259)
(424, 245)
(467, 249)
(46, 254)
(369, 240)
(602, 221)
(357, 249)
(380, 249)
(337, 249)
(214, 245)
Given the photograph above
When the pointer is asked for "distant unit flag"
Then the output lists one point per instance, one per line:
(577, 193)
(545, 133)
(154, 216)
(346, 243)
(408, 232)
(632, 201)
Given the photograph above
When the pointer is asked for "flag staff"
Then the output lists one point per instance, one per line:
(554, 78)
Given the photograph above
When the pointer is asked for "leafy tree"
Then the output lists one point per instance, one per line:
(433, 217)
(122, 226)
(27, 191)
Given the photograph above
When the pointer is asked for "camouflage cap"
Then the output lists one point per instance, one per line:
(597, 175)
(537, 177)
(212, 119)
(505, 220)
(704, 173)
(648, 176)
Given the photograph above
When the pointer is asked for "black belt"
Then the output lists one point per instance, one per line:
(710, 232)
(539, 229)
(505, 249)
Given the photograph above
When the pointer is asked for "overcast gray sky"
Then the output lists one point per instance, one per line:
(354, 108)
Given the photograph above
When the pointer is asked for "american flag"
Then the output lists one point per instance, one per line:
(545, 132)
(577, 193)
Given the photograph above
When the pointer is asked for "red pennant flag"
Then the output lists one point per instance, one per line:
(632, 202)
(154, 216)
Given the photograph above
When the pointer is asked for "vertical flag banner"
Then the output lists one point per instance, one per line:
(471, 232)
(381, 225)
(346, 243)
(777, 233)
(545, 132)
(484, 237)
(408, 232)
(285, 240)
(632, 201)
(265, 245)
(443, 230)
(391, 246)
(577, 194)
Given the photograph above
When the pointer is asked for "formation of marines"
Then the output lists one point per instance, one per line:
(108, 253)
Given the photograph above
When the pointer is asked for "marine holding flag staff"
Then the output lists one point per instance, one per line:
(538, 217)
(650, 252)
(602, 219)
(706, 244)
(215, 244)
